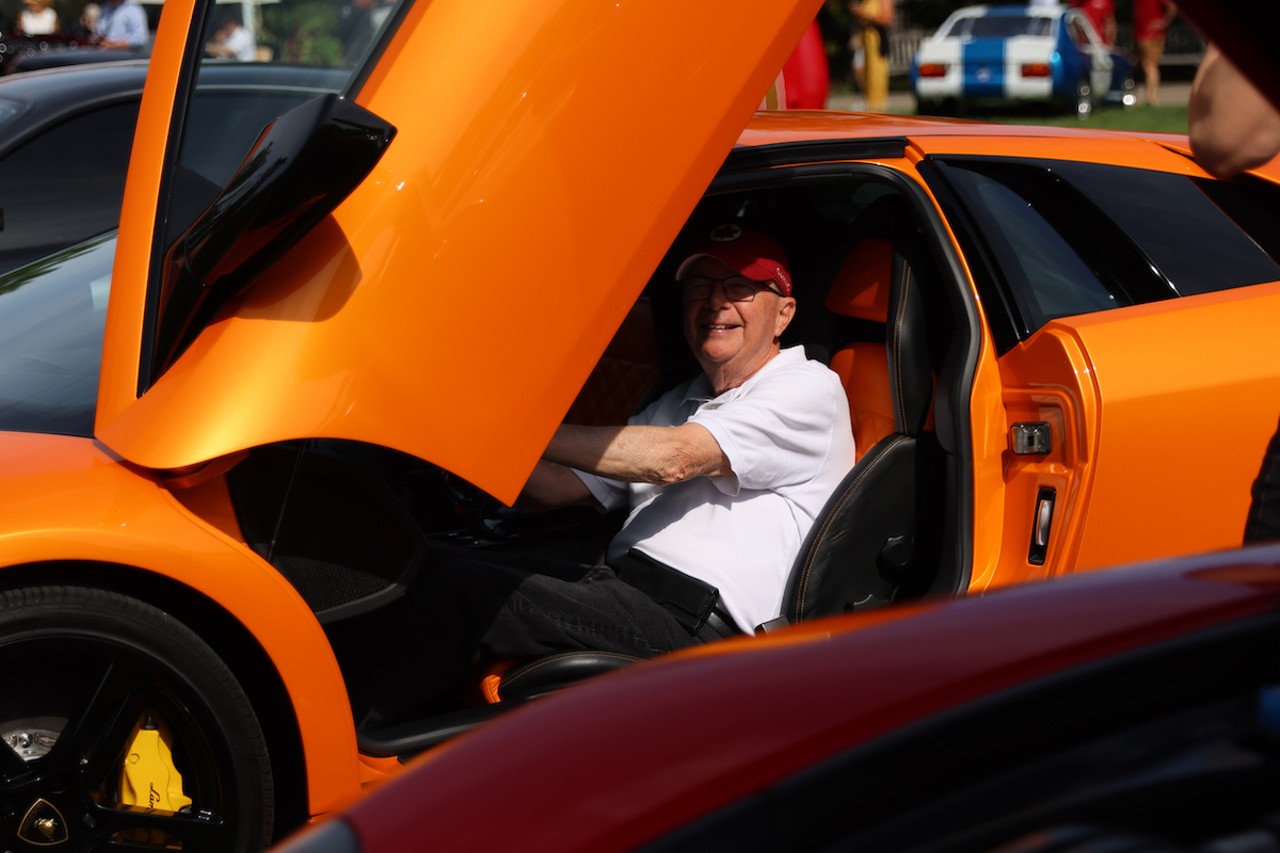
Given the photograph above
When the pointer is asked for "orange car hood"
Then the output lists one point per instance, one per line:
(546, 155)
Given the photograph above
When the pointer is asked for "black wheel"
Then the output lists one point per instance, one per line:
(122, 729)
(930, 107)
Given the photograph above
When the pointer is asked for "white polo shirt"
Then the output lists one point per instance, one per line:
(788, 439)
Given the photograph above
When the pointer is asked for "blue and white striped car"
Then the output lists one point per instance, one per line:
(1001, 55)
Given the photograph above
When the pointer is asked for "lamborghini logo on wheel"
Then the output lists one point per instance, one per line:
(43, 825)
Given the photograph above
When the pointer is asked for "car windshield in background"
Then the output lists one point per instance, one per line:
(1000, 26)
(52, 316)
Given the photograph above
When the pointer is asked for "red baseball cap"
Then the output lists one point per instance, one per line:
(749, 253)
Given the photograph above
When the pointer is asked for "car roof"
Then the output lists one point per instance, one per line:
(934, 132)
(46, 95)
(54, 88)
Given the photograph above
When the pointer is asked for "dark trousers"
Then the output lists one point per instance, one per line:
(468, 609)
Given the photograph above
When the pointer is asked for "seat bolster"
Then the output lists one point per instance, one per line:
(861, 286)
(909, 351)
(863, 369)
(839, 569)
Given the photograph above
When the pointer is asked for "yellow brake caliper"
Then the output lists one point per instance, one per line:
(149, 778)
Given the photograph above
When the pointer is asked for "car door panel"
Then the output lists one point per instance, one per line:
(502, 238)
(1048, 388)
(1181, 382)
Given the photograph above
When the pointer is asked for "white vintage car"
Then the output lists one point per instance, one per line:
(1001, 55)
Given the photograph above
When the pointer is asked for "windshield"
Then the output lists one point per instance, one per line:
(52, 315)
(288, 57)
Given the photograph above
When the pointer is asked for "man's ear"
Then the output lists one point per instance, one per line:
(786, 311)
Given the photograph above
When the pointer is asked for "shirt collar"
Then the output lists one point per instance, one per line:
(699, 390)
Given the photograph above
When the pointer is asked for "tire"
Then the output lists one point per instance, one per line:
(82, 670)
(926, 107)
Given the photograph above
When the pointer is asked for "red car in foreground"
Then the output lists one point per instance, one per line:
(1136, 709)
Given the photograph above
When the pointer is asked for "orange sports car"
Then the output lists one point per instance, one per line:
(228, 431)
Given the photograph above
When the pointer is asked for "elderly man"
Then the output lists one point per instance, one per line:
(724, 475)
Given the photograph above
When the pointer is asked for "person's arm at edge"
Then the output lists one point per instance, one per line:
(1231, 125)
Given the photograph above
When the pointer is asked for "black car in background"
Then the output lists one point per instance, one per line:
(64, 149)
(66, 134)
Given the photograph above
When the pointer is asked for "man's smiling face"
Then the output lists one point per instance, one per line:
(732, 340)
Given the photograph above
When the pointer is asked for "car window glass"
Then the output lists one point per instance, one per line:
(301, 49)
(205, 148)
(1055, 238)
(1060, 282)
(52, 316)
(1001, 26)
(56, 190)
(1252, 205)
(1047, 249)
(1180, 227)
(10, 108)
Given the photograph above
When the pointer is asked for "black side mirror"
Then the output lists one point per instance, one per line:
(301, 168)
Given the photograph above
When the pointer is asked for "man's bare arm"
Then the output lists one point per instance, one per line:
(553, 485)
(640, 454)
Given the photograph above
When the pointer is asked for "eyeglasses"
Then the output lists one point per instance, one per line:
(735, 288)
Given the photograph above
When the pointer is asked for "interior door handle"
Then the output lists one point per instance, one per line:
(1041, 524)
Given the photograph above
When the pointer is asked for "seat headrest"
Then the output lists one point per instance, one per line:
(861, 287)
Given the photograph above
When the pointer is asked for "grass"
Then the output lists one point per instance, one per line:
(1171, 119)
(1162, 119)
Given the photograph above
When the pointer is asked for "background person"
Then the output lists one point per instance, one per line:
(232, 40)
(122, 25)
(1151, 19)
(38, 18)
(873, 17)
(87, 24)
(1102, 14)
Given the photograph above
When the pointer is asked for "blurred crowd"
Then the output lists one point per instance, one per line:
(117, 24)
(874, 26)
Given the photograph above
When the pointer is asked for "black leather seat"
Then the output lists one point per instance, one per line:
(878, 534)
